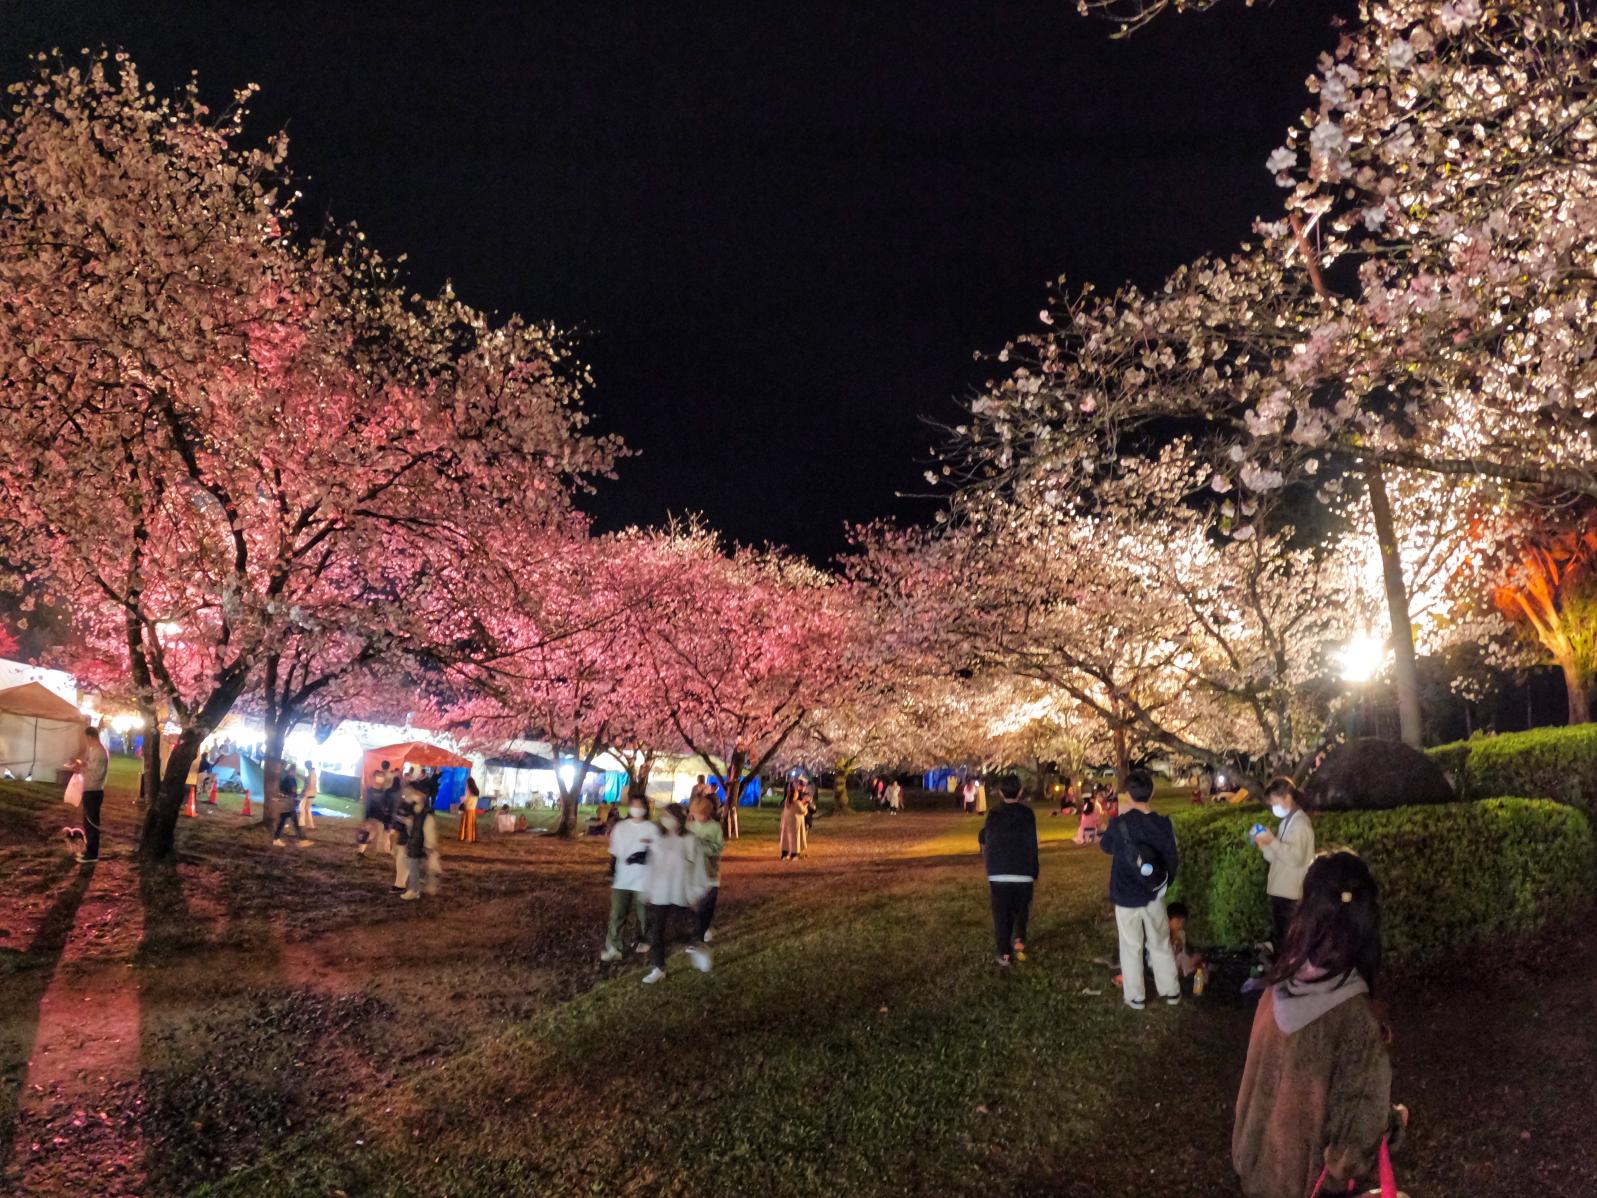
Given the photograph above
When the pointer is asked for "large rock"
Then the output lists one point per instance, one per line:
(1365, 775)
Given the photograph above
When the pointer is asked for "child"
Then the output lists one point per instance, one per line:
(630, 843)
(672, 891)
(1009, 851)
(1087, 828)
(1288, 849)
(1143, 846)
(712, 840)
(1189, 963)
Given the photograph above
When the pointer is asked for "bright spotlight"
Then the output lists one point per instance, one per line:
(1361, 659)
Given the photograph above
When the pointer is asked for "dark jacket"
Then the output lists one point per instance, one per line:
(1150, 837)
(1009, 841)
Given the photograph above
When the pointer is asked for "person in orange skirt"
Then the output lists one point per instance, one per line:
(468, 811)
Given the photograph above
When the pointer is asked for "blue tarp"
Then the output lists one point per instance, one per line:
(937, 780)
(451, 786)
(751, 791)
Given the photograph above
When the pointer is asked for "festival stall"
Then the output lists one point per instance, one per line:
(39, 732)
(452, 767)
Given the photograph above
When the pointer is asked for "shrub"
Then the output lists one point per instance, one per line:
(1552, 763)
(1454, 877)
(1453, 760)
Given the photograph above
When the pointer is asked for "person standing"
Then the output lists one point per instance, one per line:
(307, 797)
(706, 829)
(1009, 850)
(207, 779)
(791, 824)
(421, 839)
(1289, 850)
(1143, 846)
(288, 788)
(1315, 1102)
(895, 797)
(981, 797)
(967, 794)
(468, 811)
(93, 763)
(673, 862)
(376, 813)
(631, 841)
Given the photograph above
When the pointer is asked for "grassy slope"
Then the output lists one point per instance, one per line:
(854, 1037)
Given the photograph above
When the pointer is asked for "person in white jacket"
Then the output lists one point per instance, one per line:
(1289, 850)
(674, 889)
(631, 842)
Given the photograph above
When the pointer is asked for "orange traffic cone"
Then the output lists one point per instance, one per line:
(246, 810)
(210, 796)
(188, 808)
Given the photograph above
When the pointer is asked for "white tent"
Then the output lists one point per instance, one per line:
(39, 732)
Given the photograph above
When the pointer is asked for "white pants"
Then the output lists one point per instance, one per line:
(1146, 927)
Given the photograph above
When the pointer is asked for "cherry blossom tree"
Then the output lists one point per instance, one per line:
(207, 411)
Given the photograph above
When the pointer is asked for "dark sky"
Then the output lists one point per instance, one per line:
(782, 228)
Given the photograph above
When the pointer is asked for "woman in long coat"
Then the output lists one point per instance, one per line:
(792, 823)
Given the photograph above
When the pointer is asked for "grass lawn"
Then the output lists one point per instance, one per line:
(274, 1022)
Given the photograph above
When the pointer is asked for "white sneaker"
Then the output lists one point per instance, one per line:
(653, 976)
(609, 955)
(410, 896)
(700, 958)
(641, 949)
(280, 842)
(709, 935)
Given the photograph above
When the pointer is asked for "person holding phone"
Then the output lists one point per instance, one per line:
(1289, 850)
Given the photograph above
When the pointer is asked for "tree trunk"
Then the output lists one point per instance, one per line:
(1405, 674)
(158, 840)
(1579, 688)
(272, 768)
(840, 804)
(1122, 754)
(150, 763)
(569, 795)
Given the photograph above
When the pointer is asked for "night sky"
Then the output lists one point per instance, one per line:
(782, 229)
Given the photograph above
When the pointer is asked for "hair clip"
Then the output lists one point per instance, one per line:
(1347, 896)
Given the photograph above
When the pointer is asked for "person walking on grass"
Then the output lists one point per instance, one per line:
(706, 829)
(92, 763)
(1143, 848)
(631, 842)
(376, 812)
(421, 839)
(895, 797)
(307, 797)
(1288, 849)
(1009, 851)
(1316, 1098)
(288, 792)
(673, 893)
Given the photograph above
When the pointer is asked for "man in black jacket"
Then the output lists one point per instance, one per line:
(1009, 849)
(1143, 846)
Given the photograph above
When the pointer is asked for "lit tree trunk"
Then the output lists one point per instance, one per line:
(840, 803)
(1405, 674)
(1579, 688)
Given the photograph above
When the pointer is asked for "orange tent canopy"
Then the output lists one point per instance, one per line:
(414, 752)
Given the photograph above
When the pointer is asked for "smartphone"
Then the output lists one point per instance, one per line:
(1255, 830)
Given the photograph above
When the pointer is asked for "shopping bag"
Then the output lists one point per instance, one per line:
(73, 797)
(1387, 1177)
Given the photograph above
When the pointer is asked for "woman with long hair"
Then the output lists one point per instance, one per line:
(1316, 1097)
(468, 811)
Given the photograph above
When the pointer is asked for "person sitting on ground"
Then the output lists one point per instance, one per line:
(1288, 849)
(598, 823)
(1316, 1097)
(1189, 962)
(1143, 846)
(1009, 853)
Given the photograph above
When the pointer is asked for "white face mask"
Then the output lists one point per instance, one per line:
(635, 812)
(1280, 811)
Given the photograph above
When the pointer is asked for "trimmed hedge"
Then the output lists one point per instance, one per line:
(1553, 763)
(1453, 877)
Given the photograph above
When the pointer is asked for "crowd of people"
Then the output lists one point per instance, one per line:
(1314, 1112)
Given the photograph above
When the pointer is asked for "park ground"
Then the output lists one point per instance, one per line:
(266, 1021)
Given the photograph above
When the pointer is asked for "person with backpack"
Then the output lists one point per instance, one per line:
(1143, 848)
(1314, 1112)
(288, 793)
(1009, 852)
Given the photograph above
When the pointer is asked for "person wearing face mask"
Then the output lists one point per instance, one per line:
(631, 841)
(1289, 850)
(676, 884)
